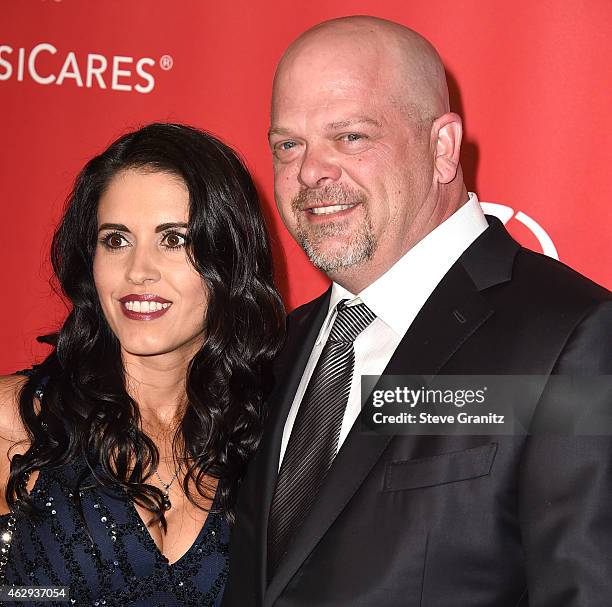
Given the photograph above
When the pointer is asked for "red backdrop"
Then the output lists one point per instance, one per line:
(530, 78)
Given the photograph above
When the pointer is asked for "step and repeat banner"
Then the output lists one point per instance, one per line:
(531, 79)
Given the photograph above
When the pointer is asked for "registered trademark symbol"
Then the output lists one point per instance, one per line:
(166, 62)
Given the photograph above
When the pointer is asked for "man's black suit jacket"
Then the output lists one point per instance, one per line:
(463, 521)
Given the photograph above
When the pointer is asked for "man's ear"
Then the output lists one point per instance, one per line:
(446, 134)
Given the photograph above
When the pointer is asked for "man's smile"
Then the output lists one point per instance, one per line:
(328, 210)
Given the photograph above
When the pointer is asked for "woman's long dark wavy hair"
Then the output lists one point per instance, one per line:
(86, 410)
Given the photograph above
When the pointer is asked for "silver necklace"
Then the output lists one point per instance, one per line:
(166, 498)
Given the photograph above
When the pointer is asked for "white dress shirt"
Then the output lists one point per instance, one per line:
(417, 273)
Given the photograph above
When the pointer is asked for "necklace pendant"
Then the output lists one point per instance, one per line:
(165, 497)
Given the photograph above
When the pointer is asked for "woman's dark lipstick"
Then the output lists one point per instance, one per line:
(144, 307)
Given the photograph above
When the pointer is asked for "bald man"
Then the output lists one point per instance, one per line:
(368, 181)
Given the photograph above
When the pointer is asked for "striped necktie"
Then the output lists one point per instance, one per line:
(314, 438)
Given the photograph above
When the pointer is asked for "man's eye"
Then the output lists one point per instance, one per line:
(114, 240)
(173, 240)
(353, 137)
(286, 145)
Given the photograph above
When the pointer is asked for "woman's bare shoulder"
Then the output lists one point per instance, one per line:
(13, 437)
(11, 428)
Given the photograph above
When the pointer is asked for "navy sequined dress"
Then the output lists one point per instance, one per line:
(112, 561)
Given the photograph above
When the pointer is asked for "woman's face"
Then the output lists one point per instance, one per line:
(152, 297)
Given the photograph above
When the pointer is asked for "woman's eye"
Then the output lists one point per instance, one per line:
(173, 240)
(114, 241)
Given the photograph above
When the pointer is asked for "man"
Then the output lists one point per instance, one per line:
(368, 181)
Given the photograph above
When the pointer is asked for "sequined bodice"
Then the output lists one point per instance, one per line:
(112, 559)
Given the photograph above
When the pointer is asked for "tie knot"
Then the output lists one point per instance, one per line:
(350, 321)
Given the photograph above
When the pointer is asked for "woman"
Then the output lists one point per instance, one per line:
(126, 446)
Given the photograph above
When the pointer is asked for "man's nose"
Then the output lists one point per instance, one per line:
(319, 167)
(142, 267)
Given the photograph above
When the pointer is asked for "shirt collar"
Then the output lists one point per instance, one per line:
(419, 271)
(338, 293)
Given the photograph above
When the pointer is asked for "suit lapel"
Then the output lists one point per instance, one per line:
(453, 312)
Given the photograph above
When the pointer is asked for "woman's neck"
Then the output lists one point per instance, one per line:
(158, 386)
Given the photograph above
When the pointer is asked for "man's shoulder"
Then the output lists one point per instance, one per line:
(546, 301)
(307, 308)
(545, 278)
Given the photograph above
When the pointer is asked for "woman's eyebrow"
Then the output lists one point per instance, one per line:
(167, 226)
(114, 226)
(160, 228)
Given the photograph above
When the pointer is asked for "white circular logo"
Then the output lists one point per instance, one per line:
(505, 214)
(166, 62)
